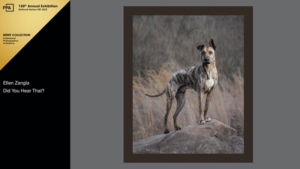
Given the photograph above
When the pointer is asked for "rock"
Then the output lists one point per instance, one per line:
(211, 138)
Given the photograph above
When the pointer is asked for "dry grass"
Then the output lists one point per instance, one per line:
(226, 106)
(159, 39)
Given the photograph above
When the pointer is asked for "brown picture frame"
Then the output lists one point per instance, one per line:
(247, 157)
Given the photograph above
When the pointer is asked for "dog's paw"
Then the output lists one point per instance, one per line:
(208, 119)
(166, 131)
(202, 122)
(177, 128)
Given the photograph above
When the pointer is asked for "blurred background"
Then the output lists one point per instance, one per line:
(163, 45)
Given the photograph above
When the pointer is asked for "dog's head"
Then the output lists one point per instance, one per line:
(207, 52)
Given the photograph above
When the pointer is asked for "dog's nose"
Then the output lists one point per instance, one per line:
(206, 59)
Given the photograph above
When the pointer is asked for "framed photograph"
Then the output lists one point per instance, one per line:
(188, 84)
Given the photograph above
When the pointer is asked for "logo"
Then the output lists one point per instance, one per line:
(8, 7)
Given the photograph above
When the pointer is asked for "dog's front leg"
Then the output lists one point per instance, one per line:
(208, 99)
(202, 121)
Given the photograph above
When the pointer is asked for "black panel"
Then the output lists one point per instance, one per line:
(37, 126)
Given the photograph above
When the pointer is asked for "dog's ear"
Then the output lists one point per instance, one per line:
(212, 44)
(200, 47)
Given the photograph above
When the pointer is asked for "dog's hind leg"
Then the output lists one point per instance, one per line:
(180, 97)
(168, 108)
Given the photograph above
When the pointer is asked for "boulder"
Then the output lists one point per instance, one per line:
(213, 137)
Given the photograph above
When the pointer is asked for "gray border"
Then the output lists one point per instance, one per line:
(97, 106)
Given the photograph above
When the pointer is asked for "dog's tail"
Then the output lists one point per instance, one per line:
(164, 91)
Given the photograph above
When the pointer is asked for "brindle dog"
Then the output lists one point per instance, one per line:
(203, 78)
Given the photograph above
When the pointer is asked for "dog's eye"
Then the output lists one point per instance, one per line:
(210, 52)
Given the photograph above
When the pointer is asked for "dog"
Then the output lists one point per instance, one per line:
(203, 78)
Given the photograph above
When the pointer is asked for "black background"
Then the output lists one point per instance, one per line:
(37, 126)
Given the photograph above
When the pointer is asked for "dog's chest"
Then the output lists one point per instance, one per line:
(209, 83)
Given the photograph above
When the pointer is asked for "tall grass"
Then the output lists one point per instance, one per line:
(227, 104)
(159, 39)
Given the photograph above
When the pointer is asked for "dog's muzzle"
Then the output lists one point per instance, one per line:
(206, 60)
